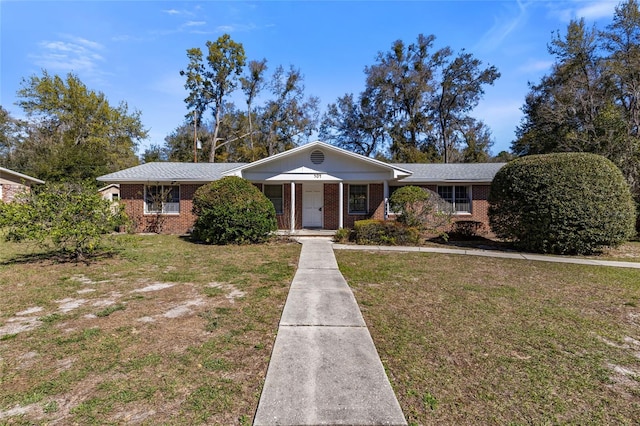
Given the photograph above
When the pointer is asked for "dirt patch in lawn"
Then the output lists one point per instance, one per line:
(180, 335)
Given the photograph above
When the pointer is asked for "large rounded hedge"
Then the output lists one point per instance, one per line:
(232, 211)
(564, 203)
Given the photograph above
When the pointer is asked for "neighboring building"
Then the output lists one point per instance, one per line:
(13, 183)
(110, 192)
(313, 186)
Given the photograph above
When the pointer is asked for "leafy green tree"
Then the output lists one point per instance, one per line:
(210, 83)
(589, 102)
(460, 88)
(356, 125)
(401, 82)
(232, 211)
(252, 84)
(477, 142)
(564, 203)
(71, 219)
(417, 103)
(10, 136)
(154, 153)
(288, 116)
(73, 133)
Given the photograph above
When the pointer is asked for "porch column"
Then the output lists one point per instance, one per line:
(293, 207)
(340, 205)
(385, 197)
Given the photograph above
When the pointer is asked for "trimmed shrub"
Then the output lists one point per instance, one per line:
(467, 229)
(373, 231)
(420, 208)
(564, 203)
(232, 211)
(342, 235)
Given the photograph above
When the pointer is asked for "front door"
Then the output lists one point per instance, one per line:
(312, 205)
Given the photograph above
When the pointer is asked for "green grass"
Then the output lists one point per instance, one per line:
(469, 340)
(194, 351)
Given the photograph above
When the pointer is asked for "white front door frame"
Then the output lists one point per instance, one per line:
(312, 205)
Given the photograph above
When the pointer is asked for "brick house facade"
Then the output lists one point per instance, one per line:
(13, 183)
(313, 186)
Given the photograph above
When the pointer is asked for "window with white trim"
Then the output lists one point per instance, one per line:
(457, 197)
(274, 194)
(358, 195)
(164, 199)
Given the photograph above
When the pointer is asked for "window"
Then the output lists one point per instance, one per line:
(358, 199)
(458, 198)
(162, 199)
(274, 193)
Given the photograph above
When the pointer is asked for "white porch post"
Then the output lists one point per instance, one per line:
(385, 196)
(293, 207)
(340, 205)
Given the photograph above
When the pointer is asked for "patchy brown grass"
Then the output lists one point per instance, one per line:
(165, 332)
(469, 340)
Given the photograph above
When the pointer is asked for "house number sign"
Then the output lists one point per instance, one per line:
(317, 175)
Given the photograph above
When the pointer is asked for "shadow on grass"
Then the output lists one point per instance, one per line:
(480, 243)
(59, 256)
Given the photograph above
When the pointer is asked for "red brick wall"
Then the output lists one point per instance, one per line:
(132, 196)
(9, 191)
(376, 201)
(331, 219)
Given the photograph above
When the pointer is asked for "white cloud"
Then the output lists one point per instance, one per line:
(71, 53)
(575, 9)
(506, 23)
(535, 66)
(597, 10)
(195, 23)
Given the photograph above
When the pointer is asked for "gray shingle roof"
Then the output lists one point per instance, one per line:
(207, 172)
(451, 172)
(168, 172)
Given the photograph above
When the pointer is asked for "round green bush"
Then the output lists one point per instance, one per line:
(232, 211)
(419, 207)
(564, 203)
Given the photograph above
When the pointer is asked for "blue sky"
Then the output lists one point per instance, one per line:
(133, 51)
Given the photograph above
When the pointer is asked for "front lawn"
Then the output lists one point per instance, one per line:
(474, 340)
(165, 332)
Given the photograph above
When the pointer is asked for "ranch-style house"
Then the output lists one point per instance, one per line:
(315, 185)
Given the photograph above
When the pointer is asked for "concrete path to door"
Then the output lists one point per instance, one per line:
(324, 369)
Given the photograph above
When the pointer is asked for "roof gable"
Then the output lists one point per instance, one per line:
(17, 177)
(326, 161)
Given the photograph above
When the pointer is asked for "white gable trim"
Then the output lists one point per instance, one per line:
(397, 172)
(19, 176)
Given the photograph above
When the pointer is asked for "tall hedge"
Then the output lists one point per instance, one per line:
(232, 211)
(564, 203)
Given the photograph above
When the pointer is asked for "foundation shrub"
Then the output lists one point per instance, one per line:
(467, 230)
(342, 235)
(372, 231)
(232, 211)
(420, 208)
(563, 203)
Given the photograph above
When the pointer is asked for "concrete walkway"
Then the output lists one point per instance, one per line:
(493, 253)
(324, 369)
